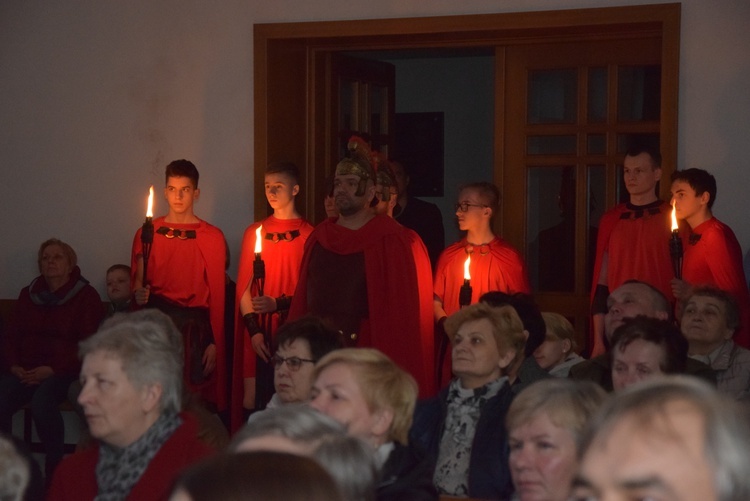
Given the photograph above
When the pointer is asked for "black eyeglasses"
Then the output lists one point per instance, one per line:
(464, 206)
(294, 363)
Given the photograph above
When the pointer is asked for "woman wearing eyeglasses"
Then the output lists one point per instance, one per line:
(299, 345)
(494, 265)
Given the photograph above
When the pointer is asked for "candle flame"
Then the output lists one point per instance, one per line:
(467, 275)
(258, 239)
(150, 206)
(674, 218)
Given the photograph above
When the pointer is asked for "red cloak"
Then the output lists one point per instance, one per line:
(494, 267)
(636, 240)
(282, 260)
(399, 290)
(715, 258)
(190, 272)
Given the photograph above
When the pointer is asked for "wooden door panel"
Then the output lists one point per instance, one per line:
(569, 110)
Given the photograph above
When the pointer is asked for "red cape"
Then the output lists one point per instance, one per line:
(399, 290)
(282, 261)
(212, 247)
(716, 259)
(494, 267)
(638, 249)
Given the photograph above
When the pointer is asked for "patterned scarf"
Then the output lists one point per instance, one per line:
(118, 470)
(464, 408)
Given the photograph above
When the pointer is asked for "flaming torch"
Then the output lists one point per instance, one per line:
(464, 295)
(259, 267)
(147, 233)
(675, 246)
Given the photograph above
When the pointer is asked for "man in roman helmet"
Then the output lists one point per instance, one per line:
(369, 276)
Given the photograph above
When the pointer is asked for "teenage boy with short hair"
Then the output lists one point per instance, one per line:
(284, 234)
(713, 255)
(186, 281)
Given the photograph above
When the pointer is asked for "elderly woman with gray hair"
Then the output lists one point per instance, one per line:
(131, 397)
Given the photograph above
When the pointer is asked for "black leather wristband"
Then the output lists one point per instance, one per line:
(599, 304)
(283, 303)
(251, 324)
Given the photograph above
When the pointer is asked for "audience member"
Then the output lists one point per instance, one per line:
(374, 400)
(670, 438)
(283, 235)
(299, 345)
(293, 428)
(644, 219)
(186, 280)
(463, 428)
(369, 276)
(132, 390)
(118, 288)
(301, 430)
(545, 423)
(256, 476)
(643, 348)
(524, 369)
(558, 353)
(56, 311)
(628, 300)
(423, 217)
(712, 253)
(709, 321)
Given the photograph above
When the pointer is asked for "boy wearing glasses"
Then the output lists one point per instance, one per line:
(495, 265)
(186, 281)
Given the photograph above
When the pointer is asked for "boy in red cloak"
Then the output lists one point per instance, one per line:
(186, 281)
(633, 240)
(713, 255)
(283, 237)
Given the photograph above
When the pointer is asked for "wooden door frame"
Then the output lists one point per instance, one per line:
(290, 105)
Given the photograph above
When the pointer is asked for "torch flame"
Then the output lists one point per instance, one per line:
(150, 207)
(674, 218)
(258, 239)
(467, 275)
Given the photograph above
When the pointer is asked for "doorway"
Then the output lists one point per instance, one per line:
(293, 102)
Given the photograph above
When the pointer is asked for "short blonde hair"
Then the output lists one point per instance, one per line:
(567, 403)
(507, 328)
(384, 385)
(560, 327)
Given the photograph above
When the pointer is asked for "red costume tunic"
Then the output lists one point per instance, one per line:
(189, 272)
(399, 290)
(715, 258)
(75, 478)
(494, 267)
(282, 255)
(636, 240)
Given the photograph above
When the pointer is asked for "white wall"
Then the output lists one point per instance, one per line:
(97, 96)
